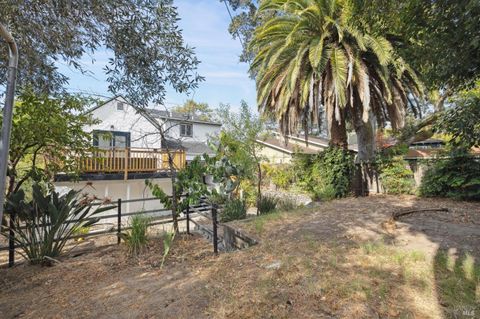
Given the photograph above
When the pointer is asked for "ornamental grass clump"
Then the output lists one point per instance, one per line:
(233, 209)
(136, 237)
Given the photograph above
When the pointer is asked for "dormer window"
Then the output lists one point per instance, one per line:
(120, 106)
(186, 130)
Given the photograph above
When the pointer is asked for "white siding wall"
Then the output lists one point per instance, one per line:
(201, 132)
(115, 189)
(142, 132)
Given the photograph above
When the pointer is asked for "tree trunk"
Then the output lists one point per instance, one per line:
(338, 132)
(259, 186)
(365, 138)
(174, 193)
(365, 171)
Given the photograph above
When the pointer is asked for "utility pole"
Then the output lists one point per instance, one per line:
(7, 111)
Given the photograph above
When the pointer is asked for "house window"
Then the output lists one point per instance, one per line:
(186, 130)
(111, 139)
(120, 106)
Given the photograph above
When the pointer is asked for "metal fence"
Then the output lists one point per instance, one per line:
(159, 216)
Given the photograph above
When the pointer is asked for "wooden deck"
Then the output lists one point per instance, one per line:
(130, 160)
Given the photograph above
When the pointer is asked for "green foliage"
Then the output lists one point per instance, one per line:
(238, 142)
(325, 192)
(249, 192)
(136, 237)
(333, 168)
(233, 209)
(309, 45)
(267, 204)
(43, 225)
(190, 107)
(438, 38)
(168, 239)
(457, 177)
(326, 175)
(189, 180)
(145, 44)
(462, 121)
(238, 139)
(281, 176)
(396, 177)
(47, 135)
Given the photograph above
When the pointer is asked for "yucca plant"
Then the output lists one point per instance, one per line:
(316, 53)
(43, 225)
(136, 237)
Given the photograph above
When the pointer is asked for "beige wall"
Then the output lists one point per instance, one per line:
(275, 157)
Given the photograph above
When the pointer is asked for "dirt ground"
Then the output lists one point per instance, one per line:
(340, 259)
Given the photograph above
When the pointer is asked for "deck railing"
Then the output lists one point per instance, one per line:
(130, 160)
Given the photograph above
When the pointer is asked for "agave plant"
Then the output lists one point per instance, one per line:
(43, 225)
(314, 53)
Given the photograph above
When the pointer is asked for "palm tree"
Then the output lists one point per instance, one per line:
(312, 54)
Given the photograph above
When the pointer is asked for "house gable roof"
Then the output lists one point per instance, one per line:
(157, 114)
(175, 116)
(116, 97)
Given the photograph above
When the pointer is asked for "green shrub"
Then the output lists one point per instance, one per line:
(455, 177)
(249, 192)
(267, 204)
(326, 175)
(43, 225)
(325, 193)
(281, 176)
(136, 237)
(234, 209)
(396, 178)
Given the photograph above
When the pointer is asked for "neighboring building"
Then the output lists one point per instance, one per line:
(280, 150)
(129, 149)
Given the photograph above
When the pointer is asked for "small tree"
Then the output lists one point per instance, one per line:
(239, 142)
(190, 107)
(47, 137)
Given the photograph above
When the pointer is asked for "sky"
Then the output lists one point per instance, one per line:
(205, 27)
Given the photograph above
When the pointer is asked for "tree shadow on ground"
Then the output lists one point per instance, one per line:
(457, 275)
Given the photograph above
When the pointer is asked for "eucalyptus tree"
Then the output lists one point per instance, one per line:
(147, 48)
(312, 54)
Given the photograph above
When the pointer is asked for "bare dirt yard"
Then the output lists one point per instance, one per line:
(340, 259)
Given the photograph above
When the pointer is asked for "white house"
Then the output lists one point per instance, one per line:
(129, 149)
(124, 125)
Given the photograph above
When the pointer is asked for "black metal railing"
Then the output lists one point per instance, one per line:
(192, 210)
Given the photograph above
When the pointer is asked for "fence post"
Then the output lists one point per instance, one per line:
(11, 242)
(119, 219)
(188, 216)
(215, 235)
(127, 155)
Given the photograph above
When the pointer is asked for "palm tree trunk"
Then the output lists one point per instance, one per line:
(338, 132)
(365, 172)
(365, 138)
